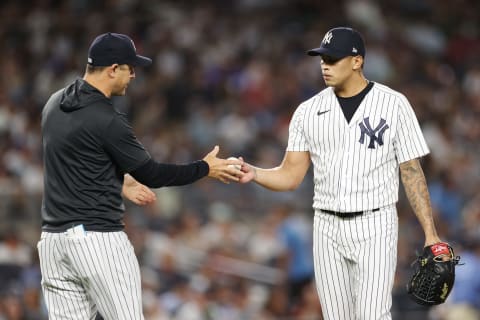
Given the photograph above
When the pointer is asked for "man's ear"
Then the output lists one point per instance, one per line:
(357, 62)
(112, 70)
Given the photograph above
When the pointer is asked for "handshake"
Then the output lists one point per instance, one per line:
(231, 169)
(225, 170)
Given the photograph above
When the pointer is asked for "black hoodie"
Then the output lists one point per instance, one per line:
(87, 148)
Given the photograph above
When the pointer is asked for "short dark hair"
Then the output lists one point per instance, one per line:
(92, 69)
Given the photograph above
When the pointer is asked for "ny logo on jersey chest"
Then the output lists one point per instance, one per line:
(375, 134)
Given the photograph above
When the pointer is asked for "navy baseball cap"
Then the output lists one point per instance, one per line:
(110, 48)
(339, 43)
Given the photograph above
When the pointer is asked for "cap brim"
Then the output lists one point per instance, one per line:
(326, 51)
(142, 61)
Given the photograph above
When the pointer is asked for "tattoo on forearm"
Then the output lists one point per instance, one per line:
(417, 193)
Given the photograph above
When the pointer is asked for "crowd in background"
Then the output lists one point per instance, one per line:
(232, 73)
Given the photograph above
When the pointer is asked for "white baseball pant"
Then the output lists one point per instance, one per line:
(85, 272)
(355, 261)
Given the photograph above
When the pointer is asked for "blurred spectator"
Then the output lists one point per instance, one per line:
(308, 307)
(11, 308)
(296, 232)
(446, 199)
(14, 256)
(233, 74)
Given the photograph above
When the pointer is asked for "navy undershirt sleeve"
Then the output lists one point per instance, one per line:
(155, 175)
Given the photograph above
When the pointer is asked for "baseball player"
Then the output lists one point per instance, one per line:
(357, 134)
(87, 262)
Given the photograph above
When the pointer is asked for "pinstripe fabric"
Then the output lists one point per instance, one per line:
(356, 168)
(355, 261)
(349, 176)
(83, 274)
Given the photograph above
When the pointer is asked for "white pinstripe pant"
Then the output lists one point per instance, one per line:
(85, 273)
(355, 261)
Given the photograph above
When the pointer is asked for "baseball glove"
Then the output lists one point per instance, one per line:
(434, 275)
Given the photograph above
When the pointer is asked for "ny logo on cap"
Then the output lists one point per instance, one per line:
(327, 37)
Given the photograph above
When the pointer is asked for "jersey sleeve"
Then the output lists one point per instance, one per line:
(409, 141)
(123, 146)
(296, 134)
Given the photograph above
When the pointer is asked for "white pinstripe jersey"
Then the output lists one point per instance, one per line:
(356, 163)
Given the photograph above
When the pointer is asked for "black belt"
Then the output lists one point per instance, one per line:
(347, 214)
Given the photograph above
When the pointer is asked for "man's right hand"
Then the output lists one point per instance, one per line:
(249, 172)
(222, 169)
